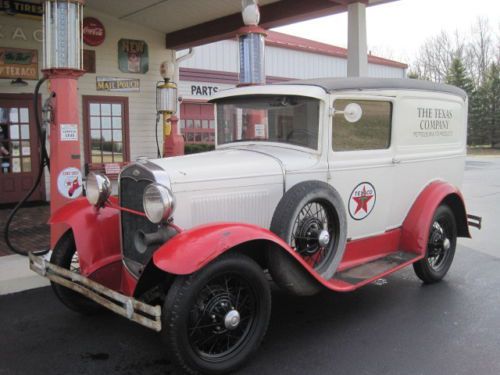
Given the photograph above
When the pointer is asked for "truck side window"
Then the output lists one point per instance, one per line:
(371, 132)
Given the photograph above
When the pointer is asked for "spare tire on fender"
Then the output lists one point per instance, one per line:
(311, 218)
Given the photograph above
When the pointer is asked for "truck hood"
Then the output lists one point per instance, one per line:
(233, 166)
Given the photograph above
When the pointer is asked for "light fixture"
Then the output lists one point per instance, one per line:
(62, 44)
(250, 12)
(18, 82)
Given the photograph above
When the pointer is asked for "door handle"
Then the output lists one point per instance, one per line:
(396, 161)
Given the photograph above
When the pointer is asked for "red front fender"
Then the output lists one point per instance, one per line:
(415, 230)
(190, 250)
(96, 233)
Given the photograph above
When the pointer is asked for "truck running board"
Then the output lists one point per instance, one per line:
(366, 273)
(128, 307)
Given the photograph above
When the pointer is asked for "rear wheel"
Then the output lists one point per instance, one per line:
(65, 255)
(215, 319)
(440, 248)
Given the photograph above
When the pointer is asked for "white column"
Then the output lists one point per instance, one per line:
(357, 50)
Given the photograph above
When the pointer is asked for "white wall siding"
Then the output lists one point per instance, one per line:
(221, 56)
(281, 62)
(384, 71)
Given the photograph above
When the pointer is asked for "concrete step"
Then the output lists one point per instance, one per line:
(16, 276)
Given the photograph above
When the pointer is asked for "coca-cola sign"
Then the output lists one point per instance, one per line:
(93, 31)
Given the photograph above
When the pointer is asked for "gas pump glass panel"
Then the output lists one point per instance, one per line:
(269, 118)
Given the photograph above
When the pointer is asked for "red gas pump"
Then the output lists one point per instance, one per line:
(62, 57)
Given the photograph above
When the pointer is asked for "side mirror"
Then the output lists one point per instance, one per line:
(352, 112)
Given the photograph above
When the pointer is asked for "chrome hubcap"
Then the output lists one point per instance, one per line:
(232, 320)
(446, 244)
(323, 238)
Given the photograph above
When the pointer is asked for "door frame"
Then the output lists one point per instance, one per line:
(35, 151)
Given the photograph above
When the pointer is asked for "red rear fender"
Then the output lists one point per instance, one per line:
(96, 232)
(415, 230)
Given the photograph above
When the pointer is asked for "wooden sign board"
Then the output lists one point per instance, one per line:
(18, 63)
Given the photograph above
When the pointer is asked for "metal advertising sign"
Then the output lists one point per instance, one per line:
(133, 56)
(21, 8)
(18, 63)
(118, 84)
(94, 32)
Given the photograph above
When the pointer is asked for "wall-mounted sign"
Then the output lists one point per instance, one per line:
(18, 63)
(21, 8)
(118, 84)
(94, 32)
(200, 90)
(112, 168)
(89, 60)
(133, 56)
(203, 90)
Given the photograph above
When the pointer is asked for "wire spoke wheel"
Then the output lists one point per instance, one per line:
(438, 248)
(314, 233)
(216, 317)
(222, 317)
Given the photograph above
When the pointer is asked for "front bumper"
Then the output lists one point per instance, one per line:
(146, 315)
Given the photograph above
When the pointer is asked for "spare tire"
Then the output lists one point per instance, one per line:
(311, 219)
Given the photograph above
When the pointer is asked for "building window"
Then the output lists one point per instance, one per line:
(106, 130)
(371, 132)
(15, 148)
(197, 123)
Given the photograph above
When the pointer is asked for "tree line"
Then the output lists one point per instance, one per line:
(472, 62)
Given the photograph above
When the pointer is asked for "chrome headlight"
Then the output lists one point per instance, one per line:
(98, 189)
(158, 202)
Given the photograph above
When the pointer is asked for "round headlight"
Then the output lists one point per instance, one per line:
(158, 202)
(98, 189)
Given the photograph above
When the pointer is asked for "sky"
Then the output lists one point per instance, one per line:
(396, 30)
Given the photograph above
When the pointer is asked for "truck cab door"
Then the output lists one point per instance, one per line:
(361, 162)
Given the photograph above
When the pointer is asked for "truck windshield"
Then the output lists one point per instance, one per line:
(269, 118)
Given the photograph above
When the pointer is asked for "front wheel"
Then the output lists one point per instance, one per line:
(215, 318)
(440, 247)
(65, 255)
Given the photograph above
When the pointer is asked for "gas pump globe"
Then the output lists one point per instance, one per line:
(62, 26)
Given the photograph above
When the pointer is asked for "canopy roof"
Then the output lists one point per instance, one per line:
(188, 23)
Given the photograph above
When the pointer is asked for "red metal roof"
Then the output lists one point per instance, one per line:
(277, 39)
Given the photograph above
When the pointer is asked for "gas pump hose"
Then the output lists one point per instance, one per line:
(44, 162)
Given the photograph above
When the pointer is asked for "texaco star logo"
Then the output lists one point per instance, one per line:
(362, 201)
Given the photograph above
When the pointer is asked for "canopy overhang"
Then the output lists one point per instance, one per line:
(188, 23)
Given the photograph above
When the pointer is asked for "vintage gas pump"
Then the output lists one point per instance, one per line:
(62, 62)
(252, 69)
(166, 106)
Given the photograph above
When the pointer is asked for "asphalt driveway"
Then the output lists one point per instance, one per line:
(396, 326)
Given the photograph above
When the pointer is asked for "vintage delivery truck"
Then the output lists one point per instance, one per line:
(317, 184)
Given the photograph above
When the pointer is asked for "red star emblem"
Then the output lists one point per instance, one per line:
(362, 201)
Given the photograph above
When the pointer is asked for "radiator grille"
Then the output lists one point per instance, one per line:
(131, 192)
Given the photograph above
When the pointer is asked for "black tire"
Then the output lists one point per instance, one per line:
(198, 306)
(287, 222)
(440, 253)
(62, 256)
